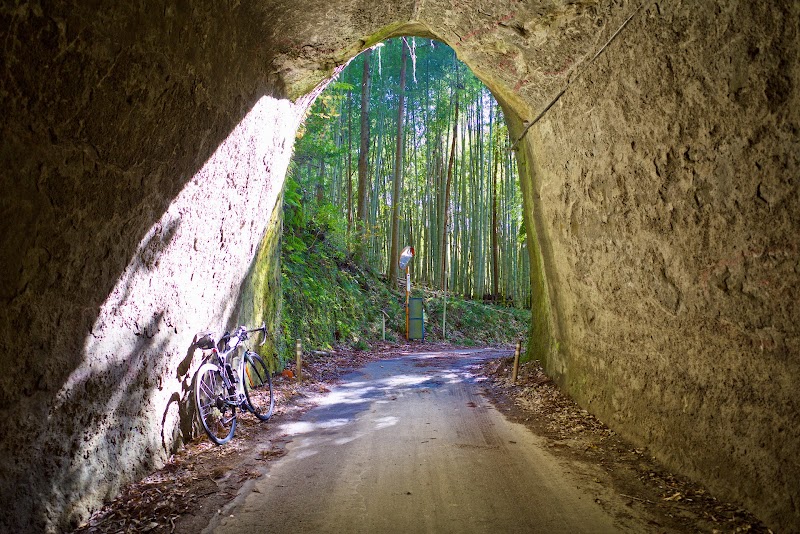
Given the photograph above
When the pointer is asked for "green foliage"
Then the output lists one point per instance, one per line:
(471, 322)
(327, 298)
(482, 242)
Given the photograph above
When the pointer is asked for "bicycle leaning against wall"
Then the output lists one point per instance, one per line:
(231, 380)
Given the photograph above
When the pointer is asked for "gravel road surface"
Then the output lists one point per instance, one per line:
(411, 445)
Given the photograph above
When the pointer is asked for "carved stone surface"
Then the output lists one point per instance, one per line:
(144, 149)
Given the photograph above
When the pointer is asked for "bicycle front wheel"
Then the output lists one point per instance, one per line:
(258, 386)
(217, 416)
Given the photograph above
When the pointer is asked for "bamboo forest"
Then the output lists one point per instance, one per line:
(408, 147)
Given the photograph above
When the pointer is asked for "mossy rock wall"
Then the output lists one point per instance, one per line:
(665, 192)
(260, 297)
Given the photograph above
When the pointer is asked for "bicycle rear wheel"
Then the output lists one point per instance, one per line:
(258, 386)
(217, 416)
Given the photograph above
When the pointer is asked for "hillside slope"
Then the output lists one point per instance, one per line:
(329, 299)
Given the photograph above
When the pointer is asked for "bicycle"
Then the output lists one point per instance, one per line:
(225, 383)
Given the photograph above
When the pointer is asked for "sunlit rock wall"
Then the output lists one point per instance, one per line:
(666, 194)
(143, 153)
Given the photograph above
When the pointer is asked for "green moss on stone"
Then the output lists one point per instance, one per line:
(261, 291)
(392, 30)
(541, 341)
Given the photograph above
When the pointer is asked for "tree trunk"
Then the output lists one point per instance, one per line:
(495, 236)
(320, 185)
(363, 180)
(394, 253)
(349, 163)
(445, 214)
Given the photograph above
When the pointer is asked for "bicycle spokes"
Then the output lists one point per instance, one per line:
(258, 387)
(217, 415)
(231, 383)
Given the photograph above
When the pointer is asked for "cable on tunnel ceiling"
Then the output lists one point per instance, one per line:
(569, 81)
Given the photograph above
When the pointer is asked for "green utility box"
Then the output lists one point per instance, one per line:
(416, 319)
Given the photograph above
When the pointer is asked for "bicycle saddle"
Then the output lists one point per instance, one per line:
(204, 340)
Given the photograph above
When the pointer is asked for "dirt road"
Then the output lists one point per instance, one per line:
(410, 445)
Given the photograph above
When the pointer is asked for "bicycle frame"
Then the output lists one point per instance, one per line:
(223, 353)
(224, 390)
(231, 376)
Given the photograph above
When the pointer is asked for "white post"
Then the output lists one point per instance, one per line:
(444, 285)
(299, 350)
(408, 295)
(444, 315)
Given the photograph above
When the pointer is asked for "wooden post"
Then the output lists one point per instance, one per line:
(299, 369)
(444, 296)
(408, 294)
(516, 361)
(444, 315)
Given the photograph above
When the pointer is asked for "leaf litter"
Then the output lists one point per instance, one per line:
(667, 501)
(201, 478)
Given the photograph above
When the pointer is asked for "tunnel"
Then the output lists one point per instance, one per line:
(144, 148)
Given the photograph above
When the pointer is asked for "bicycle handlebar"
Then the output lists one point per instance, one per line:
(241, 333)
(263, 329)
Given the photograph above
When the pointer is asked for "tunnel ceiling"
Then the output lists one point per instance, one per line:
(144, 149)
(524, 52)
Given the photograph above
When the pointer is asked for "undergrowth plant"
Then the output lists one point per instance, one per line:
(329, 299)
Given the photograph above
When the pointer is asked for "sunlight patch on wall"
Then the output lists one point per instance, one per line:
(184, 277)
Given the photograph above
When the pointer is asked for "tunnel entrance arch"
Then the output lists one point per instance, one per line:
(659, 239)
(456, 153)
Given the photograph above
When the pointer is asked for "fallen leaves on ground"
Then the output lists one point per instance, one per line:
(202, 476)
(638, 478)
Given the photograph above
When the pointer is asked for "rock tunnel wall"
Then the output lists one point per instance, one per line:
(142, 158)
(142, 146)
(666, 195)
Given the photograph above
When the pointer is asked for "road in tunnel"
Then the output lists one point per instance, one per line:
(410, 445)
(661, 213)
